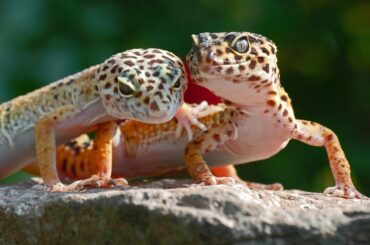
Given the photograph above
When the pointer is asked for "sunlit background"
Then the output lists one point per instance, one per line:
(324, 58)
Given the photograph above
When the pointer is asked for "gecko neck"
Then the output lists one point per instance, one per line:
(254, 95)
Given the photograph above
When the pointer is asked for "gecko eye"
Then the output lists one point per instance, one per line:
(241, 44)
(126, 89)
(177, 85)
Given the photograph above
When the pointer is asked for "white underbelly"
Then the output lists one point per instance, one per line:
(258, 138)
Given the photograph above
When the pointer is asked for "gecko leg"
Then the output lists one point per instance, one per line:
(45, 146)
(194, 162)
(230, 171)
(101, 159)
(317, 135)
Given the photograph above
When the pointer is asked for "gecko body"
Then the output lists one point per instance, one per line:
(257, 121)
(142, 84)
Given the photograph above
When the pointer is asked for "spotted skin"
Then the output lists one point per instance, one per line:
(142, 84)
(241, 68)
(140, 145)
(138, 139)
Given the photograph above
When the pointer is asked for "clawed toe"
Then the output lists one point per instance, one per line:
(218, 181)
(345, 192)
(270, 187)
(102, 182)
(90, 183)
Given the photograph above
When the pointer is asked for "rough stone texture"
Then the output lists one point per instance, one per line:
(176, 212)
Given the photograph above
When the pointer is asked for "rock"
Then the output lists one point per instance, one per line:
(178, 212)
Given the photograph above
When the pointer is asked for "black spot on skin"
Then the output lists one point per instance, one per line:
(253, 51)
(253, 78)
(159, 94)
(151, 81)
(70, 81)
(149, 88)
(156, 74)
(146, 100)
(266, 68)
(138, 94)
(107, 85)
(219, 52)
(241, 67)
(114, 68)
(213, 36)
(252, 64)
(154, 106)
(226, 61)
(285, 113)
(260, 59)
(228, 50)
(229, 37)
(229, 70)
(107, 97)
(119, 69)
(149, 56)
(238, 57)
(111, 61)
(284, 98)
(102, 77)
(252, 39)
(264, 50)
(131, 77)
(129, 63)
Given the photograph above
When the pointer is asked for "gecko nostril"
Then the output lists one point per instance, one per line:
(154, 106)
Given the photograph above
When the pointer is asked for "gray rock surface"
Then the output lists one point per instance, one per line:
(177, 212)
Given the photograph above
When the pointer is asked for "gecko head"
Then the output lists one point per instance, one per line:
(229, 63)
(146, 85)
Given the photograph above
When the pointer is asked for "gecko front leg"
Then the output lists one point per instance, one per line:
(317, 135)
(101, 159)
(46, 146)
(208, 141)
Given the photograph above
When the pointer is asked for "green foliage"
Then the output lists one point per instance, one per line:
(324, 57)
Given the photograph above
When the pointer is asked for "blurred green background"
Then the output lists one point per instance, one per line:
(324, 58)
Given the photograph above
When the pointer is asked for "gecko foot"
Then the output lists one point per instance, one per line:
(212, 180)
(96, 181)
(60, 187)
(188, 115)
(259, 186)
(344, 191)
